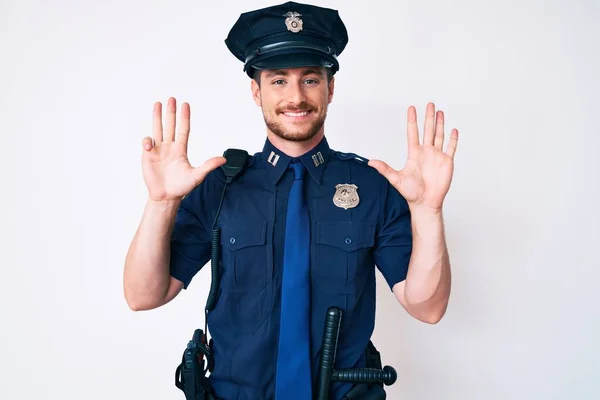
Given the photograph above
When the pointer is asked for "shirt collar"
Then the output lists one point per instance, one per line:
(314, 160)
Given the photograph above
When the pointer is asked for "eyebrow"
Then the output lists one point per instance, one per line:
(281, 72)
(313, 71)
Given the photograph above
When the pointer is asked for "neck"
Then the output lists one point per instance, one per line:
(295, 149)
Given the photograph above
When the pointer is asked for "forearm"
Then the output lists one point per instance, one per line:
(146, 274)
(427, 287)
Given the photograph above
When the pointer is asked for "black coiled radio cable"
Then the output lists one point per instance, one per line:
(236, 160)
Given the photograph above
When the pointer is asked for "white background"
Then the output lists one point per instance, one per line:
(519, 79)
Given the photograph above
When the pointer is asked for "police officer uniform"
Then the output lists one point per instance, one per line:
(358, 222)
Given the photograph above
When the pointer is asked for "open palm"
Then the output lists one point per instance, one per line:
(427, 174)
(165, 165)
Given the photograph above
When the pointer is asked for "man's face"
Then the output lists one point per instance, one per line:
(294, 101)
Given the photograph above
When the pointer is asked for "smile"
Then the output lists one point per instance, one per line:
(298, 114)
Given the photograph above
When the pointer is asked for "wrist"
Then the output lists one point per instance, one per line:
(163, 205)
(427, 223)
(425, 211)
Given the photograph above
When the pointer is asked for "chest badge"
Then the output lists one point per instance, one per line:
(346, 196)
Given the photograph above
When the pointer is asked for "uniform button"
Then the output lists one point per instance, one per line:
(348, 240)
(232, 240)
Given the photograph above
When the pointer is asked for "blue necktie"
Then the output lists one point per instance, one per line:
(293, 379)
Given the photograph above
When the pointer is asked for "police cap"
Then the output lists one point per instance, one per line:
(288, 35)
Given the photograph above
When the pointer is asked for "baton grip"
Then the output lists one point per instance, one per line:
(328, 350)
(386, 376)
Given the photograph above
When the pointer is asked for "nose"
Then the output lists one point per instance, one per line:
(295, 93)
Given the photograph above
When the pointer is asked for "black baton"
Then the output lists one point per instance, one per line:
(327, 374)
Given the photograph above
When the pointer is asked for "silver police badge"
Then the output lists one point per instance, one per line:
(292, 21)
(346, 196)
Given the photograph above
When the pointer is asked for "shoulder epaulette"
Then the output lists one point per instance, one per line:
(350, 156)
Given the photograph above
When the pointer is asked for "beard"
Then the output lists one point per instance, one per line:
(299, 134)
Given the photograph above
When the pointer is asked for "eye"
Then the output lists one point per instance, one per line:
(311, 81)
(278, 82)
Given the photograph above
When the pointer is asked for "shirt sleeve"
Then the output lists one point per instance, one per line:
(393, 245)
(190, 239)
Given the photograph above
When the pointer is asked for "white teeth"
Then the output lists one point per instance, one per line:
(298, 114)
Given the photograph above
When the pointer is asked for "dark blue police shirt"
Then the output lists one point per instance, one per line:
(346, 245)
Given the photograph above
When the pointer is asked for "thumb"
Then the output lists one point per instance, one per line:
(383, 168)
(147, 143)
(388, 172)
(208, 166)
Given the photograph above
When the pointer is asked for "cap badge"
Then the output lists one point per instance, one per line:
(346, 196)
(292, 21)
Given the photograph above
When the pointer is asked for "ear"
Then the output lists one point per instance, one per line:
(331, 88)
(255, 92)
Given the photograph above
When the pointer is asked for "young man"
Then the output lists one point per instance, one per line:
(302, 227)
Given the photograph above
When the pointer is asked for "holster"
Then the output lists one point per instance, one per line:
(364, 391)
(190, 375)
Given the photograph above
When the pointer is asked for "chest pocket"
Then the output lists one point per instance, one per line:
(246, 297)
(342, 254)
(245, 256)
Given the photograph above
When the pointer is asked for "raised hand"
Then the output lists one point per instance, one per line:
(165, 165)
(426, 177)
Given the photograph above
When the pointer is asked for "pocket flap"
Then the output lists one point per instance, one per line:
(236, 237)
(346, 235)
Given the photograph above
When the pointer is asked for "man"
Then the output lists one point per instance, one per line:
(302, 227)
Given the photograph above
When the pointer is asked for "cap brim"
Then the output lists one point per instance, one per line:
(291, 58)
(292, 61)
